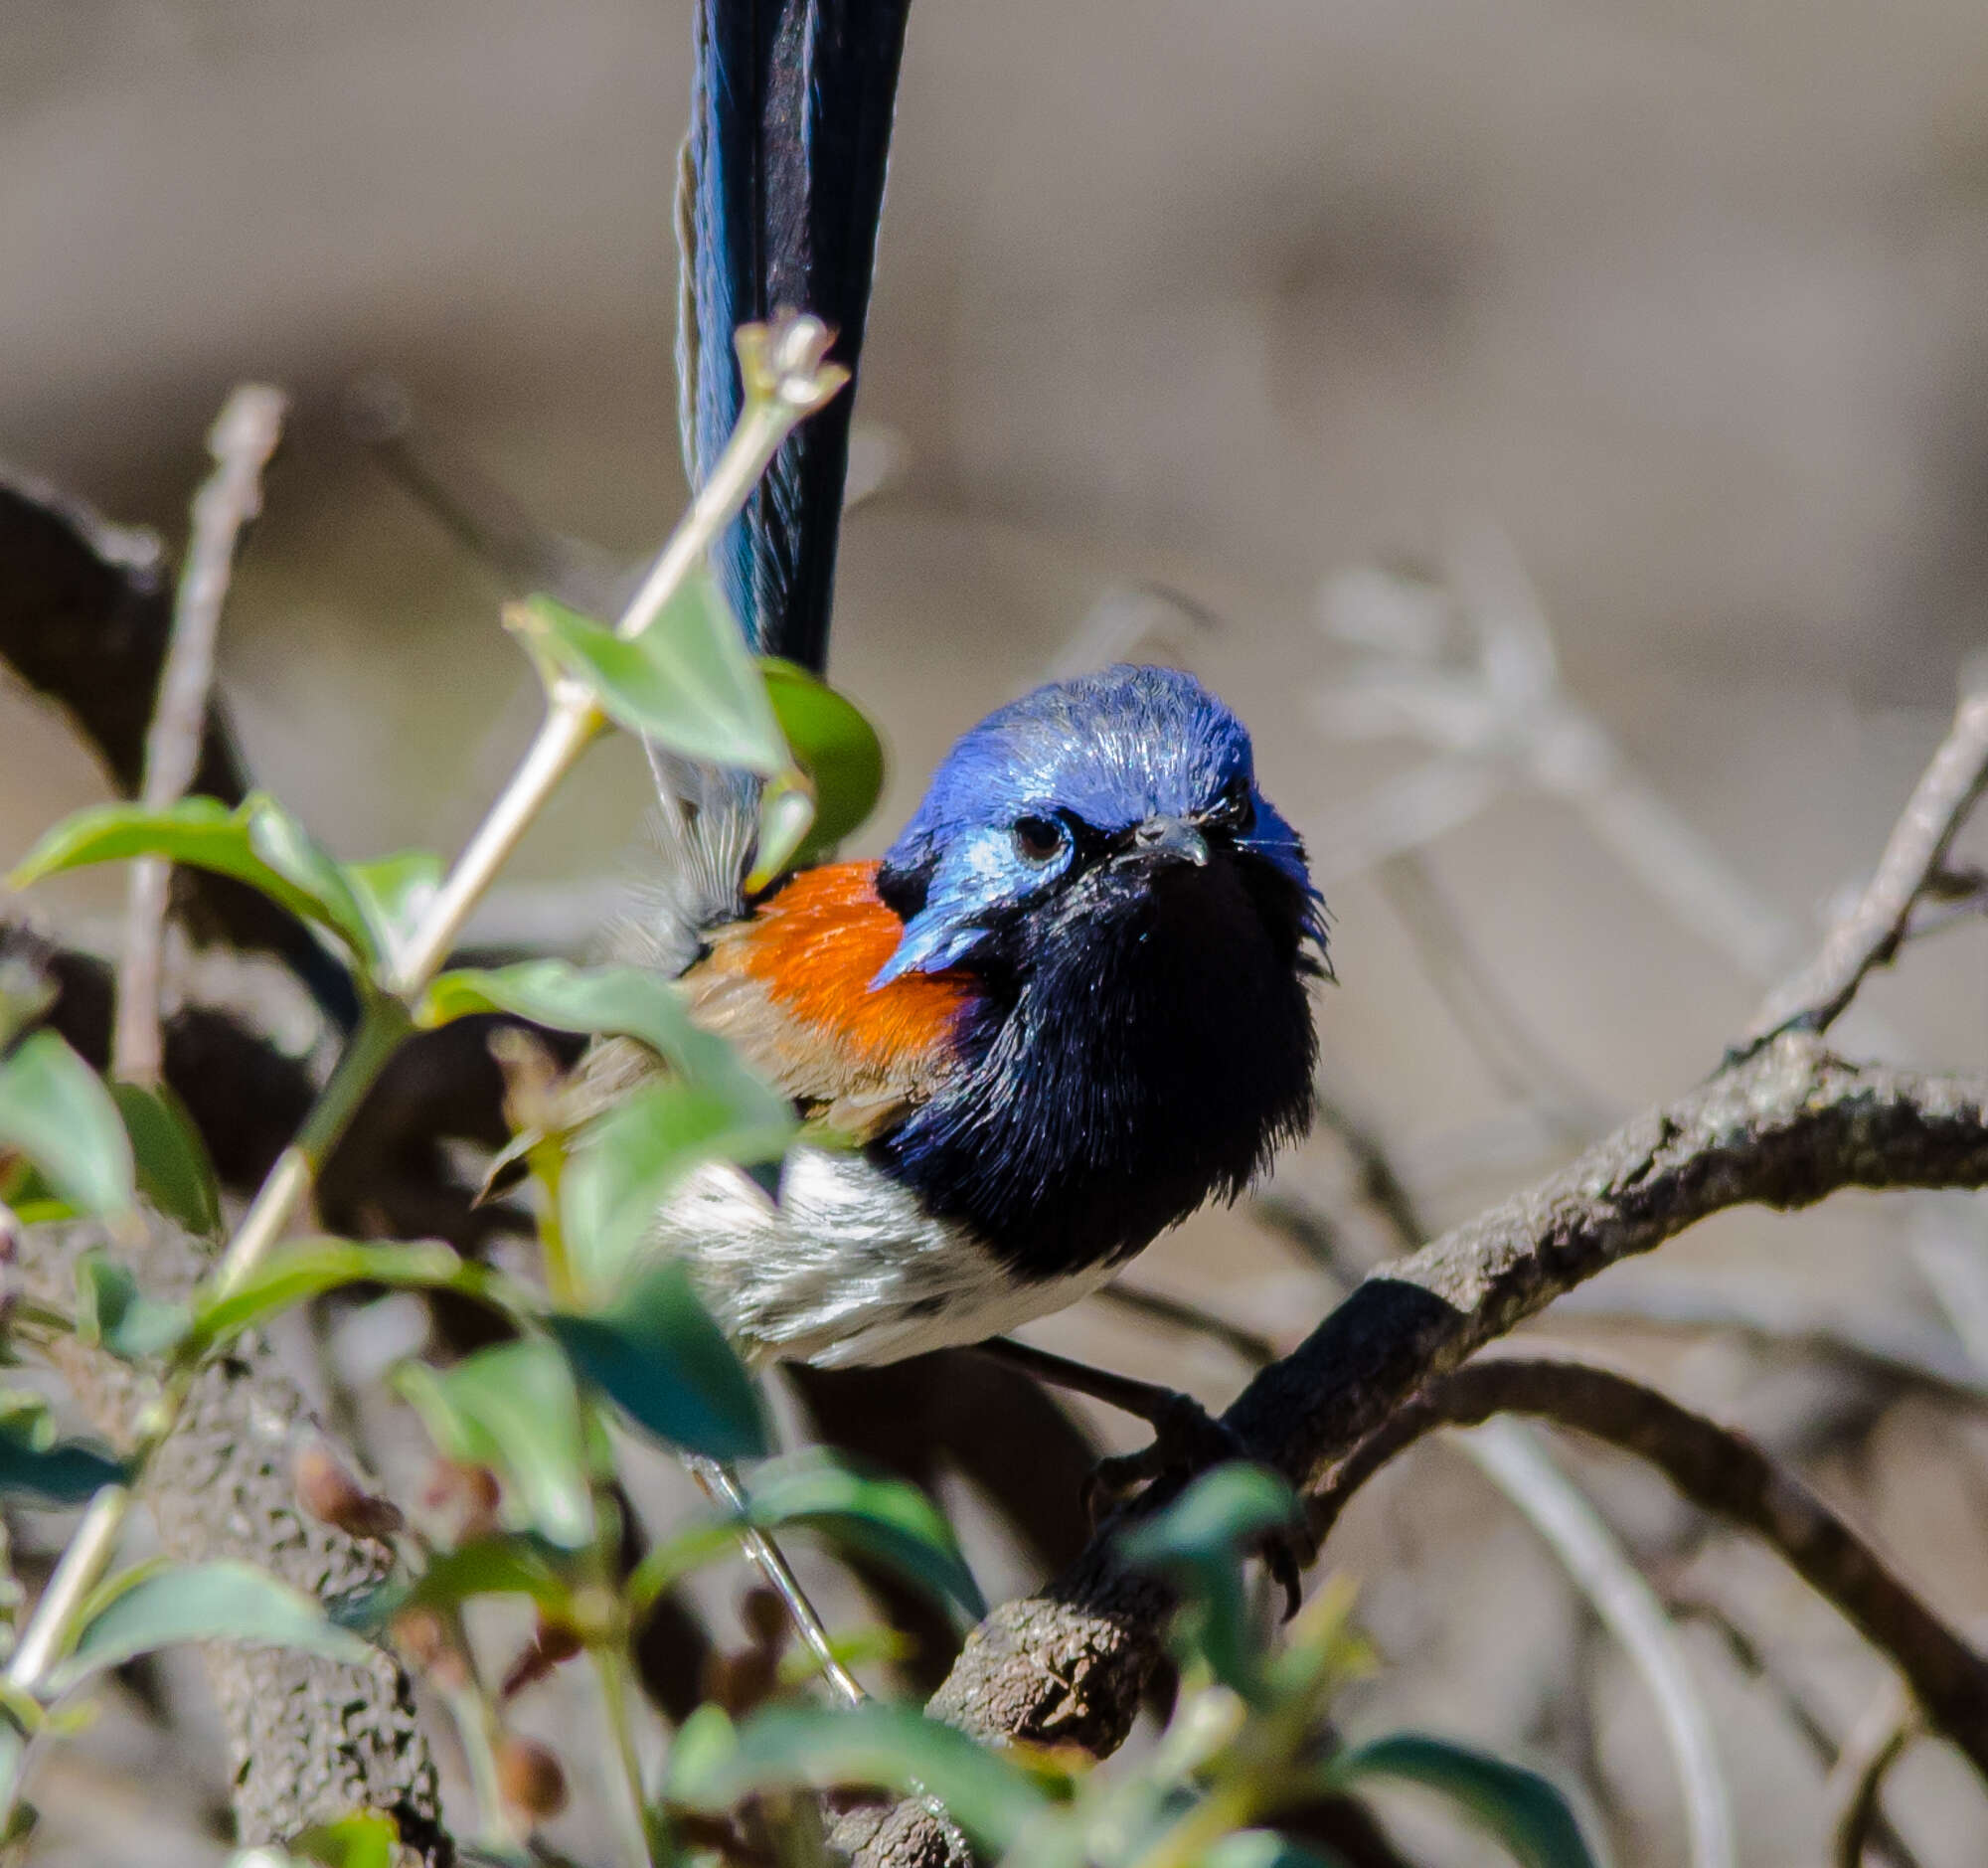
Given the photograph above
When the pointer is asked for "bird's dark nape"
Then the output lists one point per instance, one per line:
(782, 189)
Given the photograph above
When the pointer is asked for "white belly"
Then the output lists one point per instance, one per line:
(846, 1268)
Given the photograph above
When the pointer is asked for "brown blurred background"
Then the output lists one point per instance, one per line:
(1660, 326)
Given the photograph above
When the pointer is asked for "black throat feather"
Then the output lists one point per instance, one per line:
(1143, 1044)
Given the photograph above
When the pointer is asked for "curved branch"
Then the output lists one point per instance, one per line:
(1718, 1470)
(1787, 1127)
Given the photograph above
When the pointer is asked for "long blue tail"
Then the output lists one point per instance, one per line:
(781, 191)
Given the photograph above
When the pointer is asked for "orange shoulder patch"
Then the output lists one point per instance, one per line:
(793, 987)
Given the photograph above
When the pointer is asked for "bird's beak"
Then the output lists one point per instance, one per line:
(1161, 841)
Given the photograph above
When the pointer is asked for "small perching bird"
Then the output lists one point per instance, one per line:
(1071, 1004)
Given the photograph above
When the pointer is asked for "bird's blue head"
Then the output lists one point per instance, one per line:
(1072, 804)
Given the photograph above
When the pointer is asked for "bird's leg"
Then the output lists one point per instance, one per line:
(1187, 1439)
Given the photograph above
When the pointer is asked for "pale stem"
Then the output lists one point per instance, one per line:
(75, 1575)
(244, 436)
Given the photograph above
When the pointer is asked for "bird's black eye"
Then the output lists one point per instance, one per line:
(1235, 810)
(1038, 839)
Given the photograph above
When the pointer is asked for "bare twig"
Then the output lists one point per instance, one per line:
(1751, 1659)
(1517, 1061)
(1177, 1313)
(1870, 935)
(1890, 1724)
(243, 439)
(1513, 1459)
(480, 514)
(1722, 1472)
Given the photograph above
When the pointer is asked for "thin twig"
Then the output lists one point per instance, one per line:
(1517, 1060)
(243, 439)
(1178, 1314)
(1513, 1459)
(1747, 1654)
(1875, 1743)
(1718, 1470)
(480, 514)
(1870, 935)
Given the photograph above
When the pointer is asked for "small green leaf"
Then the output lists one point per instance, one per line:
(258, 843)
(834, 743)
(294, 1274)
(113, 1313)
(487, 1566)
(207, 1602)
(35, 1464)
(1198, 1542)
(714, 1764)
(370, 1838)
(513, 1407)
(393, 894)
(1528, 1813)
(630, 1162)
(172, 1160)
(687, 681)
(54, 1110)
(888, 1520)
(659, 1356)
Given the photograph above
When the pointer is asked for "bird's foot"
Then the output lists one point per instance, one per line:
(1188, 1441)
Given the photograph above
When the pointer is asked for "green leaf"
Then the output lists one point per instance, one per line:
(206, 1602)
(174, 1169)
(294, 1274)
(835, 744)
(1198, 1542)
(714, 1764)
(687, 681)
(370, 1838)
(659, 1356)
(258, 843)
(486, 1565)
(1528, 1813)
(113, 1313)
(623, 1001)
(513, 1407)
(888, 1520)
(34, 1465)
(631, 1160)
(54, 1110)
(393, 893)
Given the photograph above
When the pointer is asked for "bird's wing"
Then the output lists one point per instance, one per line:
(781, 194)
(790, 987)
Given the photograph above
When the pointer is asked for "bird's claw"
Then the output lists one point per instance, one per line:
(1188, 1441)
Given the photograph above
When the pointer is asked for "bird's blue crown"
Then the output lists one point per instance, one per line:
(1076, 762)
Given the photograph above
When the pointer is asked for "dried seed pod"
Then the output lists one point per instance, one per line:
(530, 1778)
(333, 1495)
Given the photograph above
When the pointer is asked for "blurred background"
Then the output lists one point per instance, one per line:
(1561, 431)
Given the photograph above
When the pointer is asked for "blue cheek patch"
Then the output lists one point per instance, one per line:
(978, 875)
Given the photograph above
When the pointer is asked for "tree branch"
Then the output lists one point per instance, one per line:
(1870, 933)
(1720, 1471)
(243, 439)
(1785, 1128)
